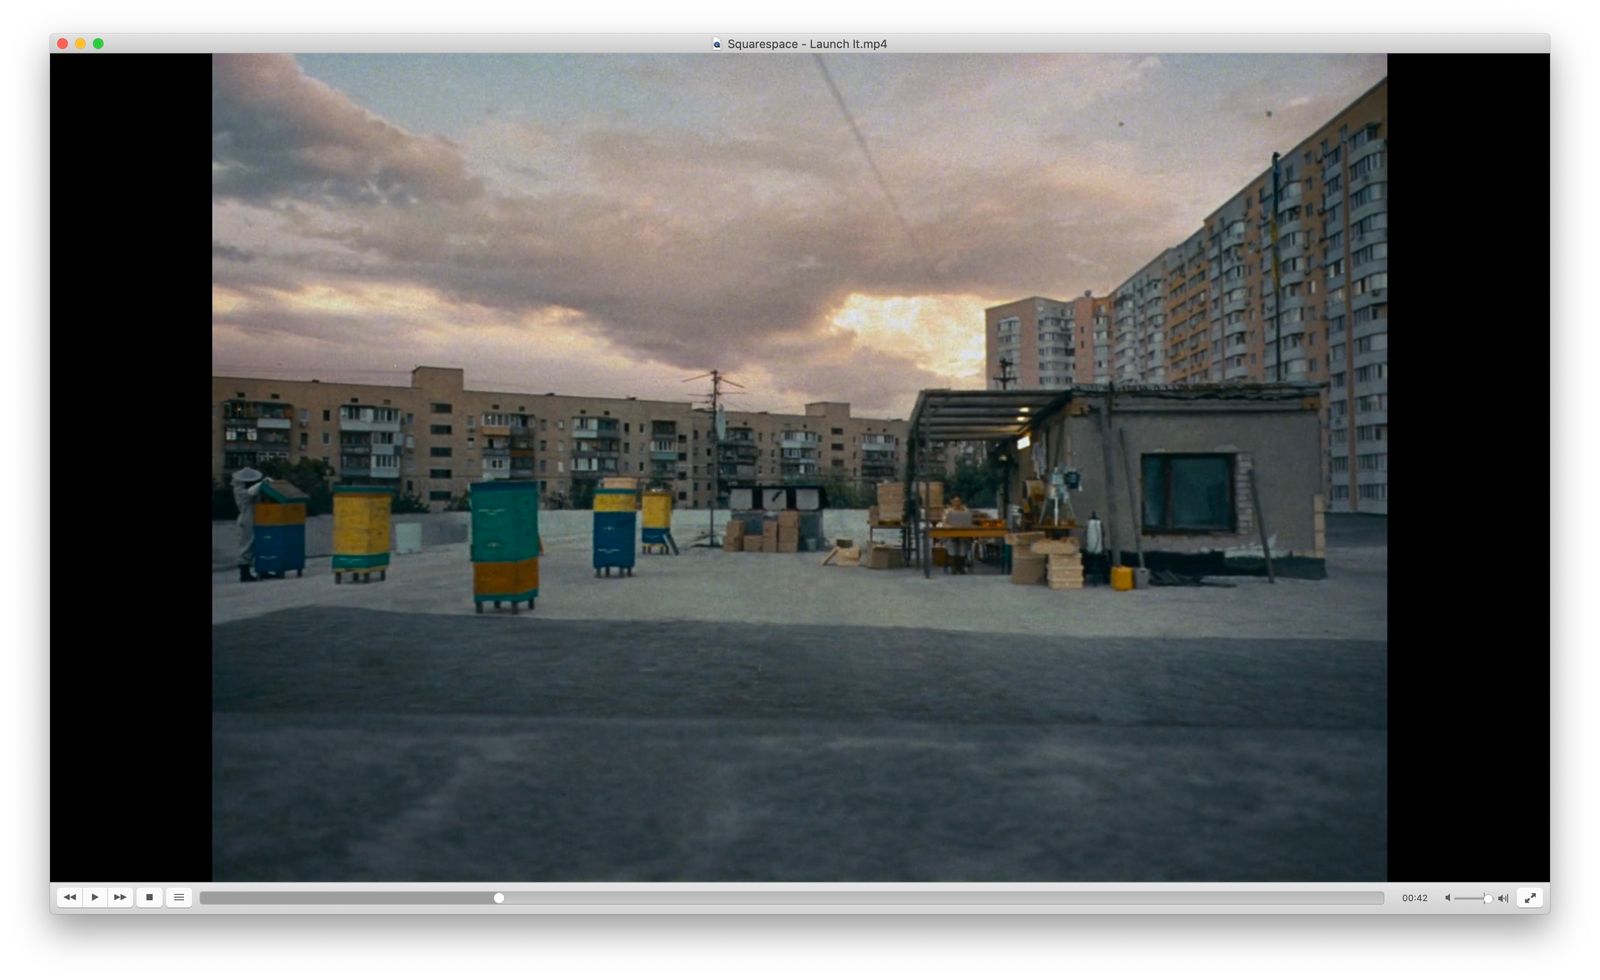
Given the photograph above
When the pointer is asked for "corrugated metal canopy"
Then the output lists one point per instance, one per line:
(970, 415)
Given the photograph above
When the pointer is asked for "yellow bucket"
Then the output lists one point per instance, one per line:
(1122, 578)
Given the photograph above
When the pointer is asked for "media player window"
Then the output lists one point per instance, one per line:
(972, 492)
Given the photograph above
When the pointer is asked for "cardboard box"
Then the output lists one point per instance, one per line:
(735, 530)
(1027, 569)
(752, 543)
(883, 558)
(930, 493)
(789, 519)
(788, 539)
(731, 543)
(845, 557)
(1024, 540)
(1062, 546)
(892, 498)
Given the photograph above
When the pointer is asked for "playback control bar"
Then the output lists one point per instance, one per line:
(269, 898)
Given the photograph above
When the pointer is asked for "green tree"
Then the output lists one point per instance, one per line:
(309, 474)
(848, 494)
(222, 505)
(582, 496)
(409, 503)
(978, 485)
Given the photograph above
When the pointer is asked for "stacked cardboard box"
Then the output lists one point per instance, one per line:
(769, 535)
(1065, 570)
(930, 493)
(753, 542)
(733, 537)
(788, 525)
(883, 557)
(1027, 568)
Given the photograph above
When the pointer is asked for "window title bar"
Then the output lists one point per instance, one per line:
(728, 43)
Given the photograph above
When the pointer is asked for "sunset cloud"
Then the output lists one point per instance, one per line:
(623, 223)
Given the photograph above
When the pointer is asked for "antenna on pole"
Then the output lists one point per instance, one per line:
(1006, 378)
(717, 424)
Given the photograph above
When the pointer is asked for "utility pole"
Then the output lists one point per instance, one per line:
(1005, 378)
(1277, 336)
(717, 381)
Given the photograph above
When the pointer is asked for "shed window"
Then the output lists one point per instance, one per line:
(1188, 492)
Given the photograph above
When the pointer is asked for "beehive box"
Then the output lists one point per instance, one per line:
(361, 530)
(615, 529)
(1065, 571)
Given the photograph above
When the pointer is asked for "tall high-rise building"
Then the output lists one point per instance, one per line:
(1046, 343)
(1211, 308)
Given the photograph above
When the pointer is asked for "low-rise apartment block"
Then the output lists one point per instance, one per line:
(436, 436)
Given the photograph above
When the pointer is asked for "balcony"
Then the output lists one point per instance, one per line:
(274, 423)
(355, 448)
(587, 428)
(369, 420)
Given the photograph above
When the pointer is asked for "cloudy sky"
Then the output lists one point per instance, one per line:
(610, 225)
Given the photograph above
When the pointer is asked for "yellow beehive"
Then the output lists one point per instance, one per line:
(277, 515)
(490, 578)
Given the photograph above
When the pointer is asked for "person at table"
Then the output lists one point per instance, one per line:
(960, 549)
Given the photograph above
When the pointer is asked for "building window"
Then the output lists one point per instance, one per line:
(439, 451)
(439, 495)
(325, 415)
(325, 438)
(440, 408)
(438, 474)
(1188, 492)
(439, 430)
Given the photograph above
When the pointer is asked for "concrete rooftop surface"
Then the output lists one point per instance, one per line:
(757, 717)
(710, 585)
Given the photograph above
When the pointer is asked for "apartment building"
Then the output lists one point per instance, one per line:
(1029, 343)
(1205, 310)
(1048, 343)
(436, 436)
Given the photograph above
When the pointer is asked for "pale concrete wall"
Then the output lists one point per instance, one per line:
(437, 529)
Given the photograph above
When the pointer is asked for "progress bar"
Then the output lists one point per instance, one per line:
(679, 899)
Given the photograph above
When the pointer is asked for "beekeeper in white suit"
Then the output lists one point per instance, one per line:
(247, 485)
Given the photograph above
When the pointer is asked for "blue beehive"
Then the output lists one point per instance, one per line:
(280, 527)
(616, 528)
